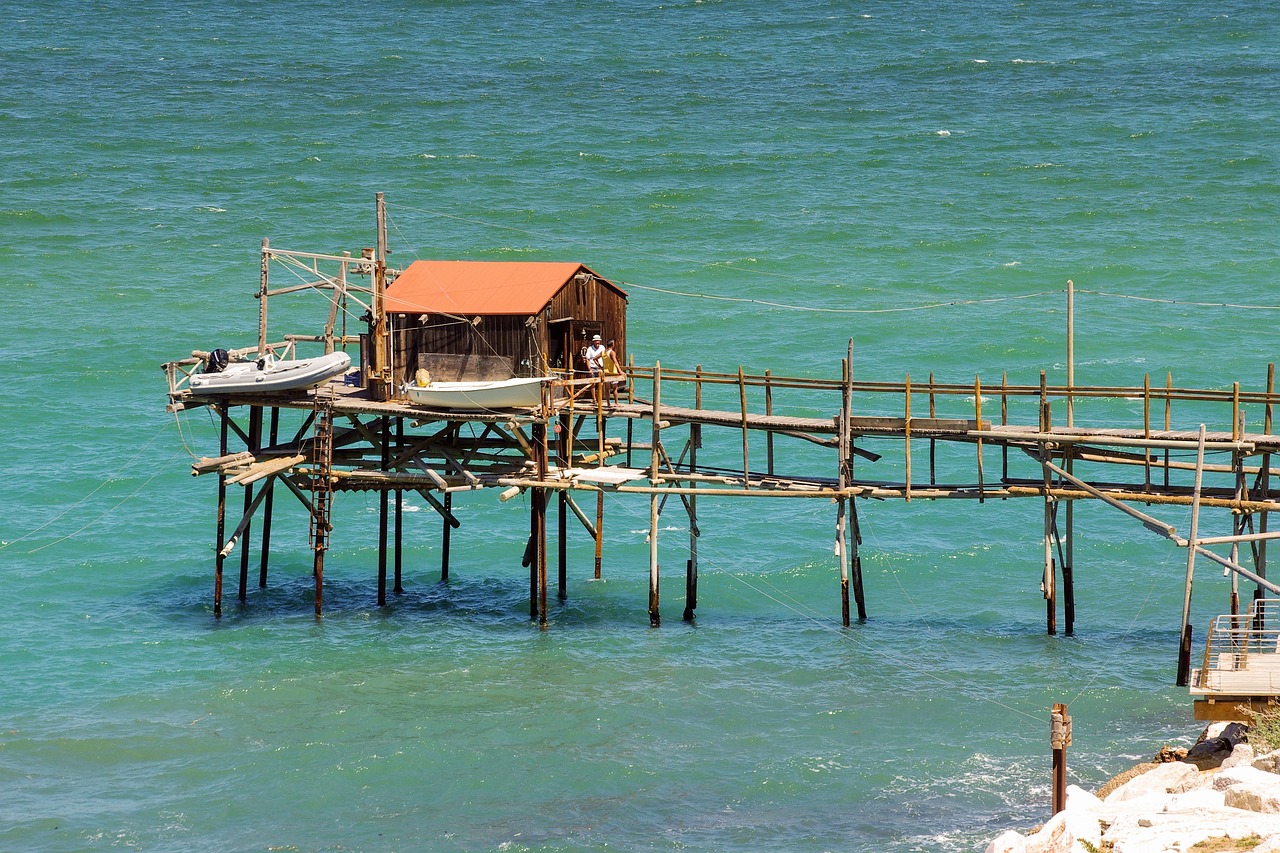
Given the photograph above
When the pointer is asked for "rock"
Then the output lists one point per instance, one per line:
(1168, 753)
(1248, 788)
(1245, 775)
(1161, 780)
(1252, 799)
(1241, 754)
(1161, 833)
(1270, 762)
(1008, 842)
(1270, 844)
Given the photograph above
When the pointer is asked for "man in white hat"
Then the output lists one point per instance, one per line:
(595, 355)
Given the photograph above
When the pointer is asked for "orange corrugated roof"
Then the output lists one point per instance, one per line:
(477, 287)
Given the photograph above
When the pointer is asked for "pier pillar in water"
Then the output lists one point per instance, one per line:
(273, 436)
(219, 559)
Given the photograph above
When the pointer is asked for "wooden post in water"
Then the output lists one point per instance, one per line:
(691, 505)
(855, 560)
(398, 578)
(655, 616)
(1048, 581)
(1146, 431)
(1068, 567)
(599, 531)
(321, 493)
(540, 504)
(219, 557)
(1059, 740)
(266, 507)
(384, 435)
(444, 537)
(1264, 484)
(977, 407)
(842, 483)
(768, 410)
(255, 445)
(1004, 420)
(933, 442)
(742, 396)
(906, 437)
(1184, 648)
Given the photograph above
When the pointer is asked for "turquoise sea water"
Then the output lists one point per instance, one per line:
(831, 155)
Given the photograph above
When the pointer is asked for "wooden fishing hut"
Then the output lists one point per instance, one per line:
(494, 320)
(474, 319)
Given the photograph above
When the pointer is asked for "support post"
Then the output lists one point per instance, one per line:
(444, 538)
(1184, 648)
(273, 436)
(322, 492)
(655, 616)
(1264, 483)
(398, 578)
(1059, 740)
(691, 567)
(1049, 580)
(742, 396)
(842, 481)
(768, 410)
(255, 445)
(385, 434)
(1068, 568)
(222, 517)
(855, 561)
(540, 514)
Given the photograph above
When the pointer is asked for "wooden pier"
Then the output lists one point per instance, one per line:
(677, 437)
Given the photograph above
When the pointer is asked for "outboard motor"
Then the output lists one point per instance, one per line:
(217, 361)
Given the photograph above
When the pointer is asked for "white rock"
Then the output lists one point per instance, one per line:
(1182, 830)
(1242, 754)
(1269, 761)
(1080, 799)
(1270, 844)
(1159, 780)
(1008, 842)
(1253, 798)
(1246, 774)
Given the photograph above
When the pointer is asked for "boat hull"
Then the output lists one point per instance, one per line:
(520, 393)
(245, 377)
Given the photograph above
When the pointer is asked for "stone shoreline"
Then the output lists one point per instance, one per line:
(1218, 795)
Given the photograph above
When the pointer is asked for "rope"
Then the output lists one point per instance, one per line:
(99, 488)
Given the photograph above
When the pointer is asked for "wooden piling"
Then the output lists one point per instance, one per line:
(540, 504)
(655, 616)
(322, 490)
(220, 557)
(384, 435)
(844, 439)
(977, 406)
(445, 532)
(1184, 649)
(768, 411)
(255, 445)
(906, 438)
(273, 436)
(1264, 483)
(742, 396)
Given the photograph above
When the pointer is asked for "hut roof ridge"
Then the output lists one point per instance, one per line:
(479, 287)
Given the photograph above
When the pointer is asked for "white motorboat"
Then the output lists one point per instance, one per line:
(518, 393)
(267, 376)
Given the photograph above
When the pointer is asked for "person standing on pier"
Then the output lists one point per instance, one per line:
(612, 371)
(594, 355)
